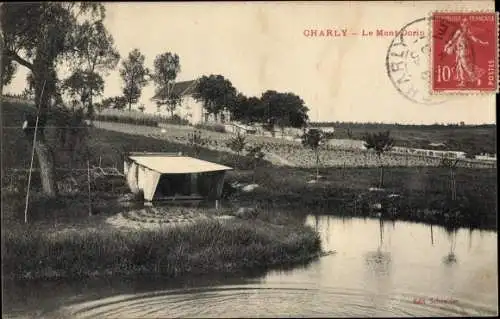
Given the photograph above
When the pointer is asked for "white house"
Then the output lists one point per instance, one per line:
(192, 110)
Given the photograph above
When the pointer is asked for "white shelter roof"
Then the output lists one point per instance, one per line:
(177, 164)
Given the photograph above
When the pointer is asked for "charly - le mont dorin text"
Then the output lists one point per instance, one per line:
(362, 32)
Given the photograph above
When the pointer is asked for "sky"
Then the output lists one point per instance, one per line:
(263, 46)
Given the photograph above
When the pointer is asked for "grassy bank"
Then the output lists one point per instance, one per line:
(204, 247)
(424, 193)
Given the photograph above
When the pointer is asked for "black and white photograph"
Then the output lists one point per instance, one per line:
(249, 159)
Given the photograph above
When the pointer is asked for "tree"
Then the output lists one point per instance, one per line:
(196, 141)
(313, 139)
(135, 77)
(379, 142)
(237, 143)
(39, 35)
(95, 56)
(451, 165)
(82, 85)
(247, 109)
(216, 93)
(256, 154)
(284, 110)
(349, 133)
(166, 69)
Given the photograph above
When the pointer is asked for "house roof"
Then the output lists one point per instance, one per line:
(166, 164)
(184, 88)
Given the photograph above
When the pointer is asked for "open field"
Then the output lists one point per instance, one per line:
(467, 138)
(283, 152)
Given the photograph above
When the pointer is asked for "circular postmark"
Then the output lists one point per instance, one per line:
(408, 64)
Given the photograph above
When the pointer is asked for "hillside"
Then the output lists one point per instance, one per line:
(473, 139)
(105, 147)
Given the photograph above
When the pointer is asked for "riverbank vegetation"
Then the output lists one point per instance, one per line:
(209, 246)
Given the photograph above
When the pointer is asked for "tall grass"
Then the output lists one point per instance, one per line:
(209, 246)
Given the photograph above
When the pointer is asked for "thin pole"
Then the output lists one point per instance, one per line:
(88, 180)
(32, 157)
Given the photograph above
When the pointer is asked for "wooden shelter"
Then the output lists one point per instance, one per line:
(172, 176)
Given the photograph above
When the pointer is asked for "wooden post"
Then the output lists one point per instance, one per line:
(32, 157)
(88, 179)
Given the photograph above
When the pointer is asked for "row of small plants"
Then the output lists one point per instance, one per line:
(138, 118)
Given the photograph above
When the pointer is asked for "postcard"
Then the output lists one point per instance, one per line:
(249, 159)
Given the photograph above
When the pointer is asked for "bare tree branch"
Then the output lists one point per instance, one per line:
(14, 56)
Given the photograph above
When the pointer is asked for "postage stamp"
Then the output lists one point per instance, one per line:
(464, 52)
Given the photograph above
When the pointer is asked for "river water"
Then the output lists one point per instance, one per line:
(379, 269)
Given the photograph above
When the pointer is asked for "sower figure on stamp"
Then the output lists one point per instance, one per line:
(462, 47)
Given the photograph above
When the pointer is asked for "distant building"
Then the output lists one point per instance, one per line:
(236, 128)
(430, 153)
(486, 157)
(192, 110)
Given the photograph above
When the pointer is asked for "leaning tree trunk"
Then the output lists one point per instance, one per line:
(45, 155)
(90, 107)
(47, 172)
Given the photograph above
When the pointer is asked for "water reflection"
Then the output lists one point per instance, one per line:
(379, 270)
(451, 257)
(379, 261)
(432, 236)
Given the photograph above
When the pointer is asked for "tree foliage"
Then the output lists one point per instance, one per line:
(134, 75)
(237, 143)
(39, 36)
(313, 138)
(166, 69)
(82, 85)
(380, 142)
(216, 93)
(247, 109)
(94, 57)
(284, 109)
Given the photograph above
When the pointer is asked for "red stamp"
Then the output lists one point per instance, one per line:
(464, 52)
